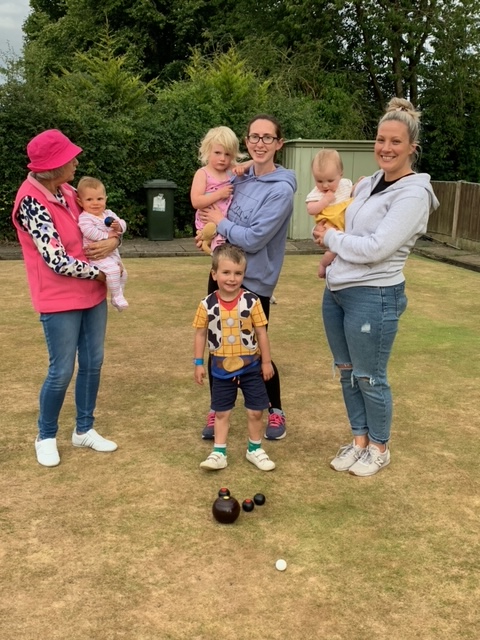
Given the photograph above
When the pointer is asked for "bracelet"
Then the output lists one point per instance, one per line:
(198, 362)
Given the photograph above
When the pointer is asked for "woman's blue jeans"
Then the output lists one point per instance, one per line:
(68, 333)
(361, 324)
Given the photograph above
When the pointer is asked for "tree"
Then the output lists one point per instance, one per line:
(451, 97)
(155, 34)
(25, 110)
(108, 110)
(388, 40)
(116, 77)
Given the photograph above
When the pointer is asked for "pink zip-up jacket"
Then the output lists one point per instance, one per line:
(52, 292)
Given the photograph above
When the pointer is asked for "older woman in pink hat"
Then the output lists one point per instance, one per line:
(67, 291)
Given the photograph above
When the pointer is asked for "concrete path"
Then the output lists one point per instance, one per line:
(143, 248)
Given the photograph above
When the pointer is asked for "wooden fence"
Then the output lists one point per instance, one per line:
(457, 220)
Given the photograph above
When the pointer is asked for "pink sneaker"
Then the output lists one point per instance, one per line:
(276, 426)
(207, 433)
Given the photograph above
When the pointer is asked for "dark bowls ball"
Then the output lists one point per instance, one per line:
(226, 509)
(248, 505)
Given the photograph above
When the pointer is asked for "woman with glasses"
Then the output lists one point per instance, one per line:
(257, 221)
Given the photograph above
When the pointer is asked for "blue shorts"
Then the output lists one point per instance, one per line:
(224, 391)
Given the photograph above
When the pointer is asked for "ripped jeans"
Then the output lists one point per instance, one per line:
(361, 324)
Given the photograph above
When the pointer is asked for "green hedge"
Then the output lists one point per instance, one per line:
(132, 132)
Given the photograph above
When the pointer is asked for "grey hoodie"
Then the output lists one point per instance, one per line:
(380, 231)
(257, 220)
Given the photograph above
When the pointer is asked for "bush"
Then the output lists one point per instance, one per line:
(132, 131)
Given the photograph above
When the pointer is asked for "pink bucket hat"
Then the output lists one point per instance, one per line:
(49, 150)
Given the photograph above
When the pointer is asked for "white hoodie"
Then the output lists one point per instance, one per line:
(380, 231)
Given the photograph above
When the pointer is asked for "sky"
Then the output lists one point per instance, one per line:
(12, 16)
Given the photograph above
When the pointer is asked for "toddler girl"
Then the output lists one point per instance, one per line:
(212, 184)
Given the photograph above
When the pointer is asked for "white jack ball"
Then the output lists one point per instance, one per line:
(281, 565)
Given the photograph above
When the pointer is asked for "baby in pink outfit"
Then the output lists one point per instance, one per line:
(97, 223)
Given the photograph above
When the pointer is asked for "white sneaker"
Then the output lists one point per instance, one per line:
(214, 461)
(260, 459)
(93, 440)
(47, 452)
(370, 462)
(346, 457)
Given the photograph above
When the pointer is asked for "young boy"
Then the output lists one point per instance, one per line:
(236, 327)
(330, 196)
(98, 223)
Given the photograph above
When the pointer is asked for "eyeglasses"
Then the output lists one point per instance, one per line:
(254, 138)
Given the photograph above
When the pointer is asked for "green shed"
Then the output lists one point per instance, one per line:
(358, 160)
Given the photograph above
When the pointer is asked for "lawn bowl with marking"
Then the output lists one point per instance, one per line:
(226, 509)
(248, 505)
(223, 492)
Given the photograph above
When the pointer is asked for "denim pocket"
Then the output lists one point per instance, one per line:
(394, 301)
(401, 299)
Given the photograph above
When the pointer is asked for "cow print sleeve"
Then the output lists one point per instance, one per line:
(36, 221)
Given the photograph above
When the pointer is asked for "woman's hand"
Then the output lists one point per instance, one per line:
(198, 239)
(101, 249)
(319, 232)
(211, 214)
(239, 169)
(242, 167)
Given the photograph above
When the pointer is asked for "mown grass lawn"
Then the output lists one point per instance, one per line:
(124, 546)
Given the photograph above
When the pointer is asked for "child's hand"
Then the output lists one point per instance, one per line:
(329, 196)
(267, 371)
(116, 226)
(321, 271)
(224, 192)
(199, 373)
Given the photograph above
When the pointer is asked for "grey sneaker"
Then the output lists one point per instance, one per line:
(346, 457)
(260, 459)
(276, 425)
(214, 461)
(370, 462)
